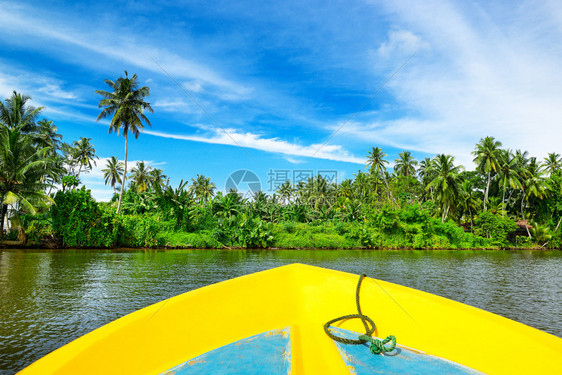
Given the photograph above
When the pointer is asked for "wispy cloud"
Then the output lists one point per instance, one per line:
(258, 142)
(483, 71)
(25, 21)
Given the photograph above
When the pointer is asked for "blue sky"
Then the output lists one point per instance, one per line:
(277, 79)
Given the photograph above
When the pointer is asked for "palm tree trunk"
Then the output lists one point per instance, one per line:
(558, 225)
(503, 201)
(124, 174)
(3, 212)
(487, 190)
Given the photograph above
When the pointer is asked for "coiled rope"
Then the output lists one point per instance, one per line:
(377, 346)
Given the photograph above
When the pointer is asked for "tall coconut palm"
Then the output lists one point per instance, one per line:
(445, 185)
(509, 173)
(141, 176)
(469, 200)
(376, 161)
(16, 113)
(426, 173)
(112, 174)
(202, 188)
(84, 153)
(552, 163)
(22, 168)
(487, 156)
(126, 104)
(405, 164)
(533, 185)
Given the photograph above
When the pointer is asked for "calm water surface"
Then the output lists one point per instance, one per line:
(49, 298)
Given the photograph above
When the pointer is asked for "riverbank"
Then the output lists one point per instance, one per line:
(17, 245)
(77, 221)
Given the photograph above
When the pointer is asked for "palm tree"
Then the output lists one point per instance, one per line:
(202, 188)
(22, 168)
(487, 156)
(375, 161)
(509, 173)
(552, 163)
(158, 179)
(319, 192)
(113, 172)
(405, 164)
(15, 113)
(446, 183)
(84, 154)
(126, 104)
(285, 190)
(141, 177)
(426, 173)
(533, 185)
(47, 136)
(469, 199)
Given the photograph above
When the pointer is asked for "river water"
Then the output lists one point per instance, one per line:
(49, 298)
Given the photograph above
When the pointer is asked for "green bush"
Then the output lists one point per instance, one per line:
(79, 222)
(200, 240)
(12, 235)
(366, 236)
(141, 230)
(494, 227)
(254, 233)
(37, 227)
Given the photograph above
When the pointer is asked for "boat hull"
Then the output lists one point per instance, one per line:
(301, 298)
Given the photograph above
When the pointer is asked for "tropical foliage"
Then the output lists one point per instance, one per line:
(511, 199)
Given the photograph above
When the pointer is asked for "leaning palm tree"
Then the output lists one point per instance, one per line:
(487, 156)
(84, 153)
(405, 164)
(16, 113)
(126, 104)
(446, 183)
(552, 163)
(112, 174)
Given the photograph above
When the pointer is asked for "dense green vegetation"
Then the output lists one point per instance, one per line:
(433, 203)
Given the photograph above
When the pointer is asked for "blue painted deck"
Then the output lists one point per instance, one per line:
(266, 353)
(270, 353)
(360, 360)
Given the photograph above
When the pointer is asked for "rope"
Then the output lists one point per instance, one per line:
(377, 346)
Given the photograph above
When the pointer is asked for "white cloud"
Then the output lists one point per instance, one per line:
(489, 72)
(293, 160)
(254, 141)
(26, 22)
(402, 42)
